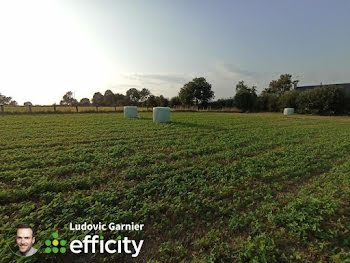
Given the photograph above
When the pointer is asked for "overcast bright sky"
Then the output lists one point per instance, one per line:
(50, 47)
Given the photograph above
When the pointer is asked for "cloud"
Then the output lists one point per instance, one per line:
(154, 78)
(129, 86)
(236, 70)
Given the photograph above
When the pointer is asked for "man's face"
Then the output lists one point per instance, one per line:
(25, 239)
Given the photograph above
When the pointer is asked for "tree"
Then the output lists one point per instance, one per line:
(288, 99)
(186, 94)
(245, 98)
(144, 94)
(268, 102)
(161, 101)
(151, 101)
(174, 101)
(221, 103)
(97, 99)
(328, 100)
(133, 95)
(198, 92)
(109, 98)
(283, 84)
(5, 100)
(84, 102)
(27, 103)
(120, 99)
(68, 99)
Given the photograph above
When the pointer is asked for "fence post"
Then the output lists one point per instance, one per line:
(54, 107)
(76, 108)
(30, 108)
(2, 108)
(97, 108)
(115, 108)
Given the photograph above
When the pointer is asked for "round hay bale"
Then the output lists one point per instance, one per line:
(130, 112)
(161, 114)
(288, 111)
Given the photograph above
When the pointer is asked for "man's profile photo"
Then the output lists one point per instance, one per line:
(25, 240)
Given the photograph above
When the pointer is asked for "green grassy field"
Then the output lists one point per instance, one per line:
(209, 187)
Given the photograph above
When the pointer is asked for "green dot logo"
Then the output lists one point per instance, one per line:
(55, 245)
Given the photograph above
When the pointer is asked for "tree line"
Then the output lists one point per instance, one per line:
(196, 92)
(133, 97)
(280, 93)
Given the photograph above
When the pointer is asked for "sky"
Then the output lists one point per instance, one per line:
(50, 47)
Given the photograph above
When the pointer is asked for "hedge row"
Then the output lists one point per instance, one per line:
(324, 100)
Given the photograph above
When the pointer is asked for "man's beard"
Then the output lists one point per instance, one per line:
(24, 249)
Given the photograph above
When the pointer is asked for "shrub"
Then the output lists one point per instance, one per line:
(288, 99)
(245, 98)
(326, 100)
(347, 104)
(268, 102)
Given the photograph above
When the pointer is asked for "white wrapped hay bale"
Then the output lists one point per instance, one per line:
(288, 111)
(130, 112)
(161, 114)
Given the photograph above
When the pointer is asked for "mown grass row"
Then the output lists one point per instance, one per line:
(208, 187)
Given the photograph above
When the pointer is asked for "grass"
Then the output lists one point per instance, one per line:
(209, 187)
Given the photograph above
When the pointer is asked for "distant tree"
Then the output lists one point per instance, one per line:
(288, 99)
(295, 83)
(133, 95)
(144, 94)
(84, 102)
(174, 101)
(13, 103)
(283, 84)
(198, 92)
(161, 101)
(109, 98)
(245, 98)
(186, 94)
(221, 103)
(97, 99)
(151, 101)
(328, 100)
(68, 99)
(268, 102)
(5, 100)
(120, 99)
(27, 103)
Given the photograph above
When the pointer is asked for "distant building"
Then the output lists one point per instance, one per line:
(346, 87)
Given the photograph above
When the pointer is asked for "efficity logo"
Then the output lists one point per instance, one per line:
(55, 245)
(94, 244)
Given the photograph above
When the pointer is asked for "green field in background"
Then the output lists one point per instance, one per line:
(209, 187)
